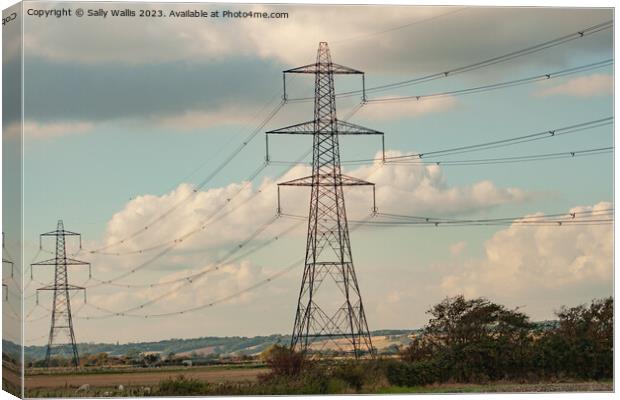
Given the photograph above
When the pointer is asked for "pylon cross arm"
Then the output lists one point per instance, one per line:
(339, 128)
(61, 287)
(58, 233)
(72, 261)
(51, 261)
(316, 68)
(326, 180)
(54, 261)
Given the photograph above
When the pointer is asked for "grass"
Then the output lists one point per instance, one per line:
(504, 387)
(179, 386)
(131, 369)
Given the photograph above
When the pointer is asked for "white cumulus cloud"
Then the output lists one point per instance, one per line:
(530, 262)
(206, 226)
(457, 248)
(211, 221)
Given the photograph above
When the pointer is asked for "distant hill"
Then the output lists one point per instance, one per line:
(384, 340)
(209, 345)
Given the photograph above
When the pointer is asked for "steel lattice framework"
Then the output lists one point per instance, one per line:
(324, 320)
(5, 287)
(62, 336)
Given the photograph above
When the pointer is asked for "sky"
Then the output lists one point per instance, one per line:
(124, 118)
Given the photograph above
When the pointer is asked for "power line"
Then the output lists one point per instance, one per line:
(227, 259)
(488, 161)
(510, 160)
(167, 249)
(556, 219)
(580, 127)
(499, 59)
(201, 184)
(183, 237)
(542, 218)
(417, 22)
(535, 217)
(559, 223)
(494, 144)
(200, 227)
(215, 302)
(231, 139)
(480, 64)
(192, 279)
(499, 85)
(255, 286)
(178, 241)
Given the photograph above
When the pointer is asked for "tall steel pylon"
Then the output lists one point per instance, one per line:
(62, 336)
(335, 316)
(5, 287)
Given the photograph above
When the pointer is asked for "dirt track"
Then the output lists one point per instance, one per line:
(141, 378)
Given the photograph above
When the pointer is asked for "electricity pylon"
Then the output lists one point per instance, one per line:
(62, 335)
(321, 317)
(5, 287)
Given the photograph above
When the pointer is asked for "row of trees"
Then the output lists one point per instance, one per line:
(477, 340)
(102, 359)
(474, 341)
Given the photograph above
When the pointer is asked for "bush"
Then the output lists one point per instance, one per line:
(283, 361)
(354, 374)
(181, 386)
(413, 373)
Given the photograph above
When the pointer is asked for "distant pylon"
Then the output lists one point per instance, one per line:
(334, 318)
(62, 335)
(5, 287)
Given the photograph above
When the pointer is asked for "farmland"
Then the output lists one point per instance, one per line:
(139, 377)
(470, 346)
(219, 380)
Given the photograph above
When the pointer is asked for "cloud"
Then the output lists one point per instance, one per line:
(104, 92)
(199, 70)
(217, 219)
(34, 130)
(423, 190)
(54, 129)
(229, 115)
(224, 284)
(457, 248)
(207, 230)
(583, 86)
(12, 38)
(360, 35)
(533, 262)
(408, 109)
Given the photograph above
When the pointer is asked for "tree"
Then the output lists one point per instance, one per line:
(473, 340)
(152, 359)
(581, 345)
(419, 349)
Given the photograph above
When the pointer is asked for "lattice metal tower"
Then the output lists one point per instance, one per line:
(62, 336)
(330, 316)
(5, 287)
